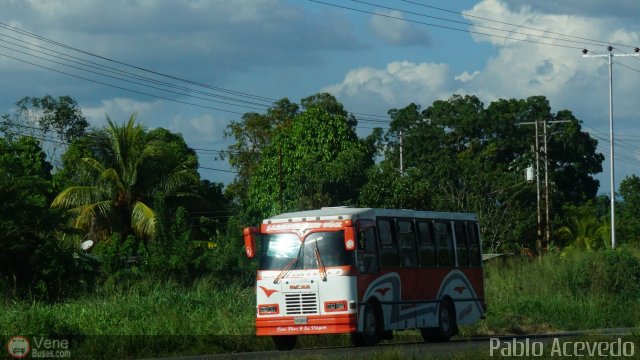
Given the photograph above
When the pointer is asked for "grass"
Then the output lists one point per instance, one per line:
(147, 318)
(585, 291)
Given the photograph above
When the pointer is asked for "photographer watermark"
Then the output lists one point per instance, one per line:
(38, 347)
(526, 347)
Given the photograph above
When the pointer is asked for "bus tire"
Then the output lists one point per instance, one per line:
(370, 335)
(284, 342)
(447, 326)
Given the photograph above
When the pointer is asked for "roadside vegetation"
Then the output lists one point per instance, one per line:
(145, 318)
(111, 239)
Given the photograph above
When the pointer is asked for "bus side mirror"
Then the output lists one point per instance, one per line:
(349, 238)
(250, 241)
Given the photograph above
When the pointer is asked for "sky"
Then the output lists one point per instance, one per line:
(193, 66)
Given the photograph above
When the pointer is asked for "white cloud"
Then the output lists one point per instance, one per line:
(203, 128)
(521, 69)
(399, 84)
(387, 27)
(466, 76)
(120, 109)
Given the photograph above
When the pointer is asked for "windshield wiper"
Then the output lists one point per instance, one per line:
(316, 252)
(285, 269)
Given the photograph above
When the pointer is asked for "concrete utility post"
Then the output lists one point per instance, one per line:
(609, 56)
(401, 160)
(542, 148)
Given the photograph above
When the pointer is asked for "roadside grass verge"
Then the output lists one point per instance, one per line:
(152, 318)
(585, 291)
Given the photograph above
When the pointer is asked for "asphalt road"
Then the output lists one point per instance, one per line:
(499, 344)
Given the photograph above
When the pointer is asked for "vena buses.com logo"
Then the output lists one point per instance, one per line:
(18, 347)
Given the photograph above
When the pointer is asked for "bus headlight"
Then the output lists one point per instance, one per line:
(330, 306)
(268, 309)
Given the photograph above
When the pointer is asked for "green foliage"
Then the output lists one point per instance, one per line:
(252, 134)
(32, 262)
(464, 157)
(614, 272)
(584, 231)
(585, 290)
(128, 168)
(315, 161)
(629, 210)
(44, 117)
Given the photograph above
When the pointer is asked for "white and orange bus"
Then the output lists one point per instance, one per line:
(366, 272)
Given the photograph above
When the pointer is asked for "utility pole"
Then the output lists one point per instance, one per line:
(547, 221)
(539, 226)
(401, 161)
(542, 148)
(612, 189)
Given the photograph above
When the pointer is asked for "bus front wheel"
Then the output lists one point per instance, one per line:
(371, 327)
(284, 342)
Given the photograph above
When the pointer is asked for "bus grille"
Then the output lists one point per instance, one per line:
(301, 303)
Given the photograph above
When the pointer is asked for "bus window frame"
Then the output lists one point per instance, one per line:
(431, 236)
(476, 233)
(363, 226)
(394, 242)
(414, 248)
(452, 252)
(458, 224)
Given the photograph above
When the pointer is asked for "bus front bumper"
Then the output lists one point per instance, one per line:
(315, 324)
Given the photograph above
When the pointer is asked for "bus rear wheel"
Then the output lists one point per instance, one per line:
(284, 342)
(447, 326)
(371, 328)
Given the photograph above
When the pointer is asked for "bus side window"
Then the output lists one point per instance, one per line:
(462, 247)
(388, 244)
(427, 247)
(444, 241)
(474, 244)
(407, 244)
(368, 251)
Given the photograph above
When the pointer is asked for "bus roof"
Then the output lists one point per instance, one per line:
(345, 213)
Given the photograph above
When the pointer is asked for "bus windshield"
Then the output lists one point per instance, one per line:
(280, 249)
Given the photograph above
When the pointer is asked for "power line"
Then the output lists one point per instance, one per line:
(122, 88)
(131, 81)
(222, 170)
(126, 76)
(32, 35)
(511, 24)
(444, 26)
(110, 69)
(597, 43)
(44, 138)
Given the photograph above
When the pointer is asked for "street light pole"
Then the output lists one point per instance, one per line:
(612, 188)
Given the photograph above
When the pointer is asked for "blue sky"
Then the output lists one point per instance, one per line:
(296, 48)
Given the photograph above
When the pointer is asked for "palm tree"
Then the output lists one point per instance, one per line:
(122, 178)
(584, 233)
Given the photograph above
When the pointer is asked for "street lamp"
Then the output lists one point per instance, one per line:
(610, 55)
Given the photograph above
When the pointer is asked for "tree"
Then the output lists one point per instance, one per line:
(259, 138)
(40, 117)
(464, 156)
(252, 134)
(316, 161)
(32, 259)
(584, 231)
(129, 168)
(629, 221)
